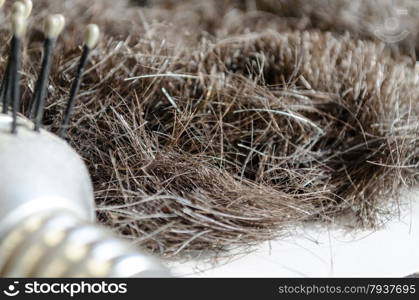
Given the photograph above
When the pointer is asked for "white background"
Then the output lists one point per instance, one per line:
(315, 250)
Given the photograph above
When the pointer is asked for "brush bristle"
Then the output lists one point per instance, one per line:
(53, 26)
(91, 36)
(28, 7)
(18, 9)
(18, 25)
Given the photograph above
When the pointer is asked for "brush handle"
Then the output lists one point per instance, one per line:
(58, 244)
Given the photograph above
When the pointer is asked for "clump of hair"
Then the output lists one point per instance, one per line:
(206, 126)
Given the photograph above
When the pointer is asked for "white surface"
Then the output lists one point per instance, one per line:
(321, 251)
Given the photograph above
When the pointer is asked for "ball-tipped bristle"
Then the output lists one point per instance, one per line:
(53, 26)
(217, 133)
(18, 8)
(61, 22)
(18, 25)
(28, 7)
(91, 35)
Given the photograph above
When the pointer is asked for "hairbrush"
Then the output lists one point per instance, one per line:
(47, 217)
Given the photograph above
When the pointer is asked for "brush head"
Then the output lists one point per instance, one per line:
(40, 172)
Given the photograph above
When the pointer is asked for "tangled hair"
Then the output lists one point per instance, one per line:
(211, 124)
